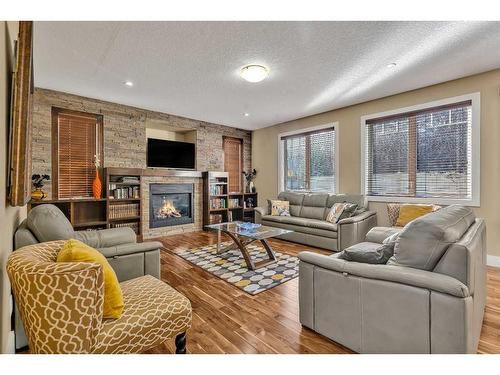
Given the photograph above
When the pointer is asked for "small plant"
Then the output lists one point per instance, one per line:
(38, 180)
(249, 176)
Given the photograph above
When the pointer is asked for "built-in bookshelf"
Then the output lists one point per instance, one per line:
(123, 198)
(220, 206)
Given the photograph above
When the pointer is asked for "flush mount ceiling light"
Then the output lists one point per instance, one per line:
(128, 83)
(254, 73)
(246, 114)
(392, 65)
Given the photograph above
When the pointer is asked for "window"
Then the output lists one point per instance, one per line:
(76, 138)
(308, 160)
(233, 163)
(423, 154)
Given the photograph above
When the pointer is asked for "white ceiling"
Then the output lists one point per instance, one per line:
(191, 69)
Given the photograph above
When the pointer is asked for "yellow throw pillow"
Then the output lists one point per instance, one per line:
(77, 251)
(409, 212)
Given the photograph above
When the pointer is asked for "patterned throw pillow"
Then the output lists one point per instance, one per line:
(280, 208)
(349, 210)
(335, 212)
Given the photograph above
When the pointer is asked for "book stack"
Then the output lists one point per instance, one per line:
(119, 211)
(217, 203)
(233, 203)
(216, 219)
(216, 190)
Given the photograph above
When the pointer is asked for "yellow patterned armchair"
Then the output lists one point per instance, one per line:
(61, 306)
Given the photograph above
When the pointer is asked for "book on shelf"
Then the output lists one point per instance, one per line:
(217, 203)
(216, 190)
(215, 219)
(118, 211)
(233, 203)
(230, 216)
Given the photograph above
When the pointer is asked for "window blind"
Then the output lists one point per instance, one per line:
(421, 154)
(309, 161)
(78, 140)
(233, 163)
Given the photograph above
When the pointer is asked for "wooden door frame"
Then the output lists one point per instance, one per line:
(55, 111)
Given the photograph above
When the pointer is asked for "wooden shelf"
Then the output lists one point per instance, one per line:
(90, 224)
(124, 218)
(211, 179)
(112, 200)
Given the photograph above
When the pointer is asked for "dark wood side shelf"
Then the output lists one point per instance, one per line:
(215, 189)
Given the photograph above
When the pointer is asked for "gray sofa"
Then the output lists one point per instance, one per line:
(428, 298)
(128, 258)
(308, 212)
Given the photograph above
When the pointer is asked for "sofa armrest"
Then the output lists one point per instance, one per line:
(397, 274)
(379, 234)
(259, 212)
(352, 230)
(107, 237)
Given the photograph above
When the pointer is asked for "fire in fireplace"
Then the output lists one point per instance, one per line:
(170, 204)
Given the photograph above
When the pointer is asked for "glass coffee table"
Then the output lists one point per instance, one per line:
(243, 237)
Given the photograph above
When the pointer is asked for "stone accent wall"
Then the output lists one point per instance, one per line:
(177, 229)
(125, 133)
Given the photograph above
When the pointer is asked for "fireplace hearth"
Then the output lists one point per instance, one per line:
(170, 204)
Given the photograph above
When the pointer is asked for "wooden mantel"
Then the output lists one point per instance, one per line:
(159, 172)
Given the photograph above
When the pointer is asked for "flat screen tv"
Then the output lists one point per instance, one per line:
(170, 154)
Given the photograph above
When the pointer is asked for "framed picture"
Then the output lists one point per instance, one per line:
(21, 117)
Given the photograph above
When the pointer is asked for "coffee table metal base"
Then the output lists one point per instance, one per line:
(241, 243)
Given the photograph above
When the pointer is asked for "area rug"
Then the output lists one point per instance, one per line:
(231, 267)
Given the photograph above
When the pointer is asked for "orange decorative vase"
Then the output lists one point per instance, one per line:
(97, 186)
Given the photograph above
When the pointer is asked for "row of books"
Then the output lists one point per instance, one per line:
(233, 203)
(216, 189)
(118, 211)
(216, 203)
(219, 218)
(216, 219)
(127, 192)
(134, 226)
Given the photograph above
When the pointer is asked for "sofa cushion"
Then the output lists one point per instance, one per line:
(368, 252)
(423, 241)
(314, 206)
(295, 200)
(48, 223)
(319, 228)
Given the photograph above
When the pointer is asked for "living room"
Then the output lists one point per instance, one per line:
(199, 187)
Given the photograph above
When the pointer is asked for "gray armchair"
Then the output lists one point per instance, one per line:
(127, 257)
(428, 298)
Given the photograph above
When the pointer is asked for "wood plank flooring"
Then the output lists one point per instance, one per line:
(228, 320)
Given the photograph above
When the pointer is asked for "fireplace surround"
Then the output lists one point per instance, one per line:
(170, 204)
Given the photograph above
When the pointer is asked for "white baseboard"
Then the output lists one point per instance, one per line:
(493, 261)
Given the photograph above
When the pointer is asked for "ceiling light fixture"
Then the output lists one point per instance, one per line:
(247, 114)
(128, 83)
(392, 65)
(254, 73)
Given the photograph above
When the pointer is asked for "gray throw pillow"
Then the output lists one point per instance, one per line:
(367, 252)
(349, 211)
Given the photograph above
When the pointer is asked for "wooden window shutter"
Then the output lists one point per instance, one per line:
(233, 161)
(77, 137)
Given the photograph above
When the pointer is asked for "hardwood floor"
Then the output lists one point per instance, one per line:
(228, 320)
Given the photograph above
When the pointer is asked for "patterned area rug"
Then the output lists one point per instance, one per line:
(231, 267)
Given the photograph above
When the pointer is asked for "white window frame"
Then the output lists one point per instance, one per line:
(475, 200)
(281, 179)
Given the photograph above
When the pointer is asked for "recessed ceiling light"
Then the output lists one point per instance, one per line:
(128, 83)
(391, 65)
(246, 114)
(254, 73)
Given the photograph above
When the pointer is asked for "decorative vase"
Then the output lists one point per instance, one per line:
(97, 186)
(38, 194)
(250, 187)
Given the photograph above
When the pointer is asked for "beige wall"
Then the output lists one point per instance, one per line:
(9, 216)
(265, 144)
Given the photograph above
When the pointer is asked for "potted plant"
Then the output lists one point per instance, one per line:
(38, 182)
(249, 177)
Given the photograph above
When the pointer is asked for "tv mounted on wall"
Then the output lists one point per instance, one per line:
(170, 154)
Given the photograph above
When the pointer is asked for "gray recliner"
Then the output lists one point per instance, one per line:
(128, 258)
(428, 298)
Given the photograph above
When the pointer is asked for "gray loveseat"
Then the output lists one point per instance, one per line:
(128, 258)
(308, 212)
(428, 298)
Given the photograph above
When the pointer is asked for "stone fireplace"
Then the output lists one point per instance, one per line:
(171, 204)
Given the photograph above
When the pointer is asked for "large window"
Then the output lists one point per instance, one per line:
(421, 154)
(76, 139)
(308, 161)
